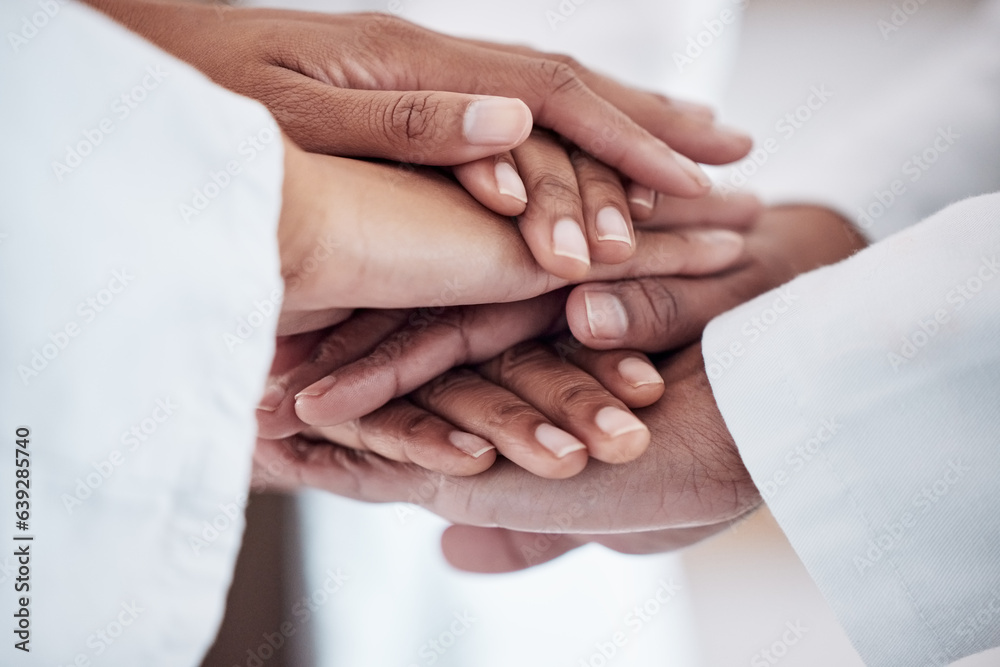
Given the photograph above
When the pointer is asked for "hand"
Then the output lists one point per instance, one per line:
(368, 362)
(542, 408)
(334, 82)
(691, 475)
(662, 312)
(359, 234)
(691, 478)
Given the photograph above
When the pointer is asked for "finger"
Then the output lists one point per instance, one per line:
(401, 431)
(628, 375)
(326, 352)
(430, 344)
(736, 210)
(495, 183)
(688, 127)
(605, 210)
(419, 127)
(499, 550)
(573, 400)
(552, 223)
(653, 314)
(520, 432)
(688, 253)
(561, 101)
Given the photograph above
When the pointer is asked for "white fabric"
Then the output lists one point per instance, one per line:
(865, 401)
(141, 416)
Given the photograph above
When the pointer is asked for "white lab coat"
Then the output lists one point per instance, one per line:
(121, 349)
(865, 397)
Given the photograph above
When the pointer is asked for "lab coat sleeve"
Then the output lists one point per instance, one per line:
(865, 401)
(139, 293)
(927, 138)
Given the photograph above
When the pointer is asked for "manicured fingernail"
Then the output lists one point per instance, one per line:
(718, 237)
(471, 444)
(615, 422)
(643, 196)
(272, 398)
(509, 182)
(496, 121)
(693, 170)
(568, 241)
(557, 441)
(317, 388)
(611, 226)
(638, 373)
(606, 315)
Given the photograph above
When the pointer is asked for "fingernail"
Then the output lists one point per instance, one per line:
(272, 398)
(693, 170)
(568, 241)
(638, 373)
(693, 108)
(606, 315)
(509, 182)
(732, 132)
(557, 441)
(496, 121)
(611, 226)
(471, 444)
(643, 196)
(718, 237)
(616, 422)
(317, 389)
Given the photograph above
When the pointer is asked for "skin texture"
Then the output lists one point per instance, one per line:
(375, 86)
(360, 234)
(689, 483)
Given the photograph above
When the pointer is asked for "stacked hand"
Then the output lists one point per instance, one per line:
(475, 341)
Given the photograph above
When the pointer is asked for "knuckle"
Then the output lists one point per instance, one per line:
(550, 186)
(559, 76)
(443, 388)
(516, 358)
(569, 392)
(657, 307)
(409, 425)
(411, 117)
(506, 412)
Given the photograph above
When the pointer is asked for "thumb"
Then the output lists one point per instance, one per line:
(419, 127)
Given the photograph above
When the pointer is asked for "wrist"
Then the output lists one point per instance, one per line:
(801, 238)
